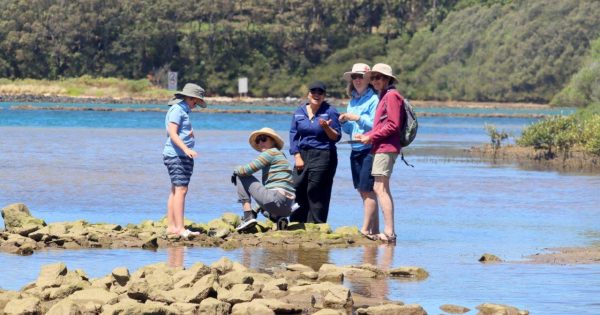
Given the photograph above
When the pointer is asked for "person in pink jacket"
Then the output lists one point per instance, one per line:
(385, 141)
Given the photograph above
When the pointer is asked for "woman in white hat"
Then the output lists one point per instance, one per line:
(358, 119)
(275, 193)
(385, 141)
(179, 154)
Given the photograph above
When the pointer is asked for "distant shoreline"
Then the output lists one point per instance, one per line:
(261, 105)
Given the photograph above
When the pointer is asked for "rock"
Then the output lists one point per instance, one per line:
(187, 278)
(18, 219)
(251, 308)
(454, 309)
(299, 267)
(95, 295)
(328, 311)
(212, 306)
(65, 306)
(222, 266)
(185, 308)
(29, 305)
(499, 309)
(160, 280)
(138, 290)
(235, 277)
(121, 275)
(489, 258)
(239, 293)
(51, 275)
(231, 218)
(331, 273)
(123, 307)
(338, 297)
(150, 243)
(279, 307)
(392, 309)
(347, 231)
(409, 272)
(7, 296)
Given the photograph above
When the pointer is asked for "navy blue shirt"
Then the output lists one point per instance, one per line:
(308, 134)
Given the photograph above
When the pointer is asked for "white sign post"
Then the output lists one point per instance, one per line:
(243, 86)
(172, 81)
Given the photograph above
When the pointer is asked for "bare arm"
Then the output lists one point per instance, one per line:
(178, 142)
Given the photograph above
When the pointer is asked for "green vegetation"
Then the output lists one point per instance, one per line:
(473, 50)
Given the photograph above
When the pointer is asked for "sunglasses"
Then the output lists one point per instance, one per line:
(356, 76)
(317, 92)
(377, 77)
(261, 138)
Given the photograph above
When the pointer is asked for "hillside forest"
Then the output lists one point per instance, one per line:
(472, 50)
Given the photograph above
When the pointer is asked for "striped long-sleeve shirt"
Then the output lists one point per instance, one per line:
(276, 173)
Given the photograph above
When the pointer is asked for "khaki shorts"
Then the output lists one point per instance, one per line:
(383, 164)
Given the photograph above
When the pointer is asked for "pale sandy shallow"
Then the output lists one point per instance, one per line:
(567, 255)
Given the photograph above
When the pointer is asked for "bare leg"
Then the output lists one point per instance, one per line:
(179, 193)
(371, 217)
(384, 197)
(170, 212)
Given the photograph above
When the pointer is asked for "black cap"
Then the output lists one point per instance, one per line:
(317, 85)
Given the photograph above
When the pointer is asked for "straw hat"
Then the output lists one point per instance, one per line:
(383, 69)
(357, 68)
(192, 90)
(267, 132)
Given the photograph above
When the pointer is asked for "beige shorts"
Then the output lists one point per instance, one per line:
(383, 164)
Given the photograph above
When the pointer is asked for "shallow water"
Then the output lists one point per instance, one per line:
(107, 167)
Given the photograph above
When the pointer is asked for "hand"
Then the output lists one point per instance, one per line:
(324, 123)
(362, 138)
(349, 117)
(343, 117)
(299, 162)
(190, 153)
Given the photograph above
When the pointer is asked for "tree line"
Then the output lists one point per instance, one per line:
(479, 50)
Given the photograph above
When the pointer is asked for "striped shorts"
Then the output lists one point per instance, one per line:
(180, 169)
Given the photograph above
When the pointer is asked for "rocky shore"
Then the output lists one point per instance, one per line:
(225, 287)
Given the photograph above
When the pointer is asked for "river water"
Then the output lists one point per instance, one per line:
(106, 166)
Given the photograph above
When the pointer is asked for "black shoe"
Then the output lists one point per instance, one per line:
(282, 223)
(248, 221)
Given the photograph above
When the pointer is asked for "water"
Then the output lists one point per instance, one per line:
(107, 167)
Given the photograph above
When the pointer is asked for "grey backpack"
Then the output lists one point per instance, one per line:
(408, 131)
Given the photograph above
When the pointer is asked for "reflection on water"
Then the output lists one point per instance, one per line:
(381, 256)
(176, 256)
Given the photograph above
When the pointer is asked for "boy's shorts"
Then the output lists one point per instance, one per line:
(383, 164)
(180, 169)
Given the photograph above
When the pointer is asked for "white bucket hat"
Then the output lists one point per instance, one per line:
(383, 69)
(192, 90)
(267, 132)
(357, 68)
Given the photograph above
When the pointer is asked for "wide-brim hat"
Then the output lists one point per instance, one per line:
(383, 69)
(357, 68)
(267, 132)
(192, 90)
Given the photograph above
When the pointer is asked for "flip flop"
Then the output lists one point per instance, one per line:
(387, 238)
(370, 237)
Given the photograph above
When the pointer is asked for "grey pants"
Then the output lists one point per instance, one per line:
(271, 201)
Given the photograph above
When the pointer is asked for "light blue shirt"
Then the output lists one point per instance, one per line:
(179, 114)
(364, 106)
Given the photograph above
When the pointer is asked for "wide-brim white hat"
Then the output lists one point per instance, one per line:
(357, 68)
(267, 132)
(192, 90)
(383, 69)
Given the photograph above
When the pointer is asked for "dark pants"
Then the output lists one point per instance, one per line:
(313, 185)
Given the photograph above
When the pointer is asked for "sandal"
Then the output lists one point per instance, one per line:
(387, 238)
(370, 237)
(187, 233)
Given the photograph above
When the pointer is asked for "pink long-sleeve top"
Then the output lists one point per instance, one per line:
(385, 134)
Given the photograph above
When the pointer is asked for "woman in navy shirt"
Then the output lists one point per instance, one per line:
(315, 130)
